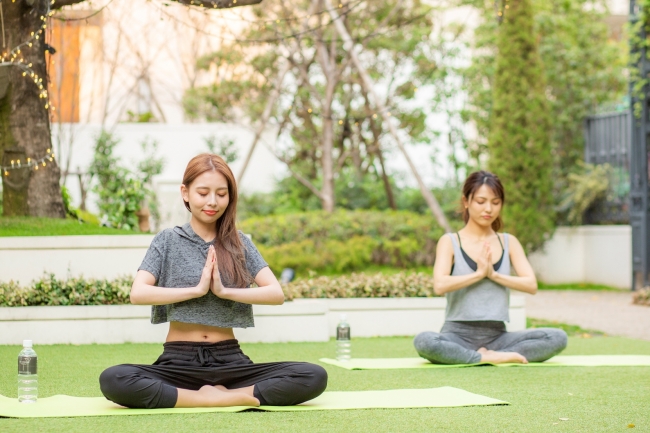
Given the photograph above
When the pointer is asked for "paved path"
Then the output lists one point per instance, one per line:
(609, 312)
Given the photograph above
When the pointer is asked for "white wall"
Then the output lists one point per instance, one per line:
(177, 144)
(588, 254)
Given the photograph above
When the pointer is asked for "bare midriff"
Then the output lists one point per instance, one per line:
(179, 331)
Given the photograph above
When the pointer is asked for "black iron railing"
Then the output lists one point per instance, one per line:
(608, 140)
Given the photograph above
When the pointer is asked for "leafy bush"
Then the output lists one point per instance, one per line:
(642, 297)
(345, 240)
(587, 184)
(49, 290)
(121, 191)
(400, 285)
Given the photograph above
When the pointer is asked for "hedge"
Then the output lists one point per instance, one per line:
(78, 291)
(49, 290)
(399, 285)
(345, 240)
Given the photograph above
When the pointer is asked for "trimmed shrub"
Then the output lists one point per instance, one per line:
(519, 138)
(400, 285)
(75, 291)
(642, 297)
(345, 240)
(79, 291)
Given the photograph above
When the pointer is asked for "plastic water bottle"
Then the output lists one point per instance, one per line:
(27, 374)
(343, 340)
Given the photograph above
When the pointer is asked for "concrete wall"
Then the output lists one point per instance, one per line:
(298, 321)
(25, 259)
(587, 254)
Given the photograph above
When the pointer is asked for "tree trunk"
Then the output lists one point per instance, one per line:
(25, 121)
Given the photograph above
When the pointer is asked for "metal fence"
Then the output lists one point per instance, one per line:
(608, 140)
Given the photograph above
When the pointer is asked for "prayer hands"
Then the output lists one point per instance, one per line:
(484, 264)
(206, 275)
(216, 286)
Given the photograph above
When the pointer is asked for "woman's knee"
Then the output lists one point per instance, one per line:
(315, 379)
(425, 342)
(558, 337)
(296, 383)
(112, 381)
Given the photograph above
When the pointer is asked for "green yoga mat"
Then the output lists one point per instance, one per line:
(557, 361)
(68, 406)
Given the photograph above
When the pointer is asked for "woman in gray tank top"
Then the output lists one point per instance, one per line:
(473, 271)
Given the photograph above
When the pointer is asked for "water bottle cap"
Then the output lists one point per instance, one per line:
(27, 343)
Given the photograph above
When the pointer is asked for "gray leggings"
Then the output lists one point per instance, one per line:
(458, 342)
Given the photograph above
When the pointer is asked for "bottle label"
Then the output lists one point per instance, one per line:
(27, 364)
(343, 333)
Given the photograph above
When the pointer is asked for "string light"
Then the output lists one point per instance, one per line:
(31, 163)
(20, 62)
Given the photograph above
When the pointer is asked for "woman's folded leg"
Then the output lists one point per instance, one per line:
(445, 348)
(536, 345)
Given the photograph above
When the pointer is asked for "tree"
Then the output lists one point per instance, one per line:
(24, 116)
(328, 123)
(582, 70)
(519, 139)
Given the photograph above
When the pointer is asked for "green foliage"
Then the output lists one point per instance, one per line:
(582, 69)
(344, 240)
(331, 255)
(400, 285)
(145, 117)
(587, 184)
(224, 147)
(123, 192)
(328, 122)
(639, 43)
(67, 203)
(48, 290)
(519, 141)
(34, 226)
(352, 193)
(642, 297)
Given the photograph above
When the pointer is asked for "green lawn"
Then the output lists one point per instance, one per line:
(579, 286)
(571, 330)
(597, 399)
(31, 226)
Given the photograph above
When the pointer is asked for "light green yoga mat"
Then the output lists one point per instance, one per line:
(68, 406)
(557, 361)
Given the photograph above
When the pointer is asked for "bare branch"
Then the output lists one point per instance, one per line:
(218, 4)
(62, 3)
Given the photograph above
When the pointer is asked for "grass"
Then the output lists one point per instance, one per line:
(572, 330)
(596, 399)
(579, 286)
(32, 226)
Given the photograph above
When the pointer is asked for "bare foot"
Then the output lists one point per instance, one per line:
(214, 396)
(482, 350)
(502, 357)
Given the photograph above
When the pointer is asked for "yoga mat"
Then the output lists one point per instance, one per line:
(557, 361)
(68, 406)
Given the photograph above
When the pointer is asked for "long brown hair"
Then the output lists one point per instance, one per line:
(228, 245)
(472, 184)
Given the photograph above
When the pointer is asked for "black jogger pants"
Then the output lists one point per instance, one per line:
(191, 365)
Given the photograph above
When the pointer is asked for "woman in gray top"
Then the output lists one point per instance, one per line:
(198, 277)
(472, 270)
